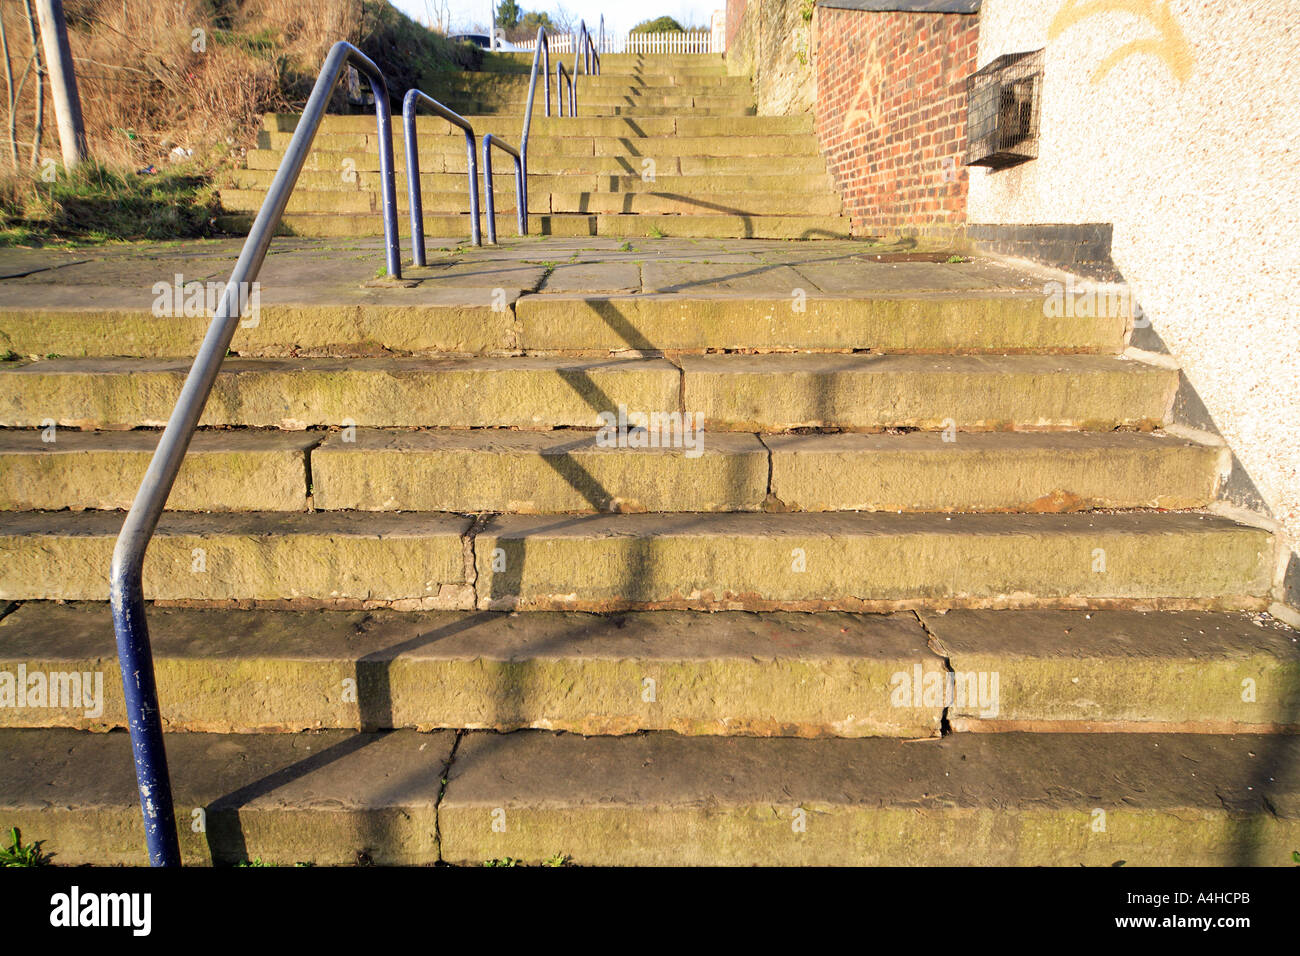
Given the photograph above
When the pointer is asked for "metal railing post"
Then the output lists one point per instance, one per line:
(126, 576)
(414, 190)
(543, 48)
(560, 79)
(521, 198)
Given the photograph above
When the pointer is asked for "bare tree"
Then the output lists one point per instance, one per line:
(565, 20)
(9, 88)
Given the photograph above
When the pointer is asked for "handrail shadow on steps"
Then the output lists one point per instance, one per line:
(126, 585)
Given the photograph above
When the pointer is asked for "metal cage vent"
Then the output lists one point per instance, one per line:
(1003, 102)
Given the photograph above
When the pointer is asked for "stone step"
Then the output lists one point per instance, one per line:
(853, 561)
(629, 165)
(223, 470)
(1024, 799)
(404, 561)
(615, 75)
(274, 671)
(685, 124)
(456, 392)
(633, 110)
(606, 80)
(542, 183)
(924, 307)
(783, 392)
(640, 64)
(631, 107)
(579, 471)
(432, 144)
(733, 392)
(633, 226)
(341, 319)
(573, 471)
(671, 201)
(846, 561)
(357, 202)
(950, 308)
(336, 797)
(615, 87)
(728, 673)
(1122, 670)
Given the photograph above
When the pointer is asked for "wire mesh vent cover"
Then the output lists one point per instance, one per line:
(1003, 103)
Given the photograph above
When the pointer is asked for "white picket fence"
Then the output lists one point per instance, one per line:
(693, 41)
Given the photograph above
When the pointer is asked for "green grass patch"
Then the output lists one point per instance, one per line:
(96, 204)
(20, 854)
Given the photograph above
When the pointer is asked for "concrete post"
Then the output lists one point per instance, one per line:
(63, 80)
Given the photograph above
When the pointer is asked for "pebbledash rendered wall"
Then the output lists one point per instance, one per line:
(1178, 123)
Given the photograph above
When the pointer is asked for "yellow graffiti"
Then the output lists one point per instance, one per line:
(1170, 46)
(868, 103)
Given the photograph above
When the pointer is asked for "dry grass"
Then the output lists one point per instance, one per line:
(155, 75)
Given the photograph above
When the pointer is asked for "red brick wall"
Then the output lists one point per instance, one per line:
(891, 108)
(735, 13)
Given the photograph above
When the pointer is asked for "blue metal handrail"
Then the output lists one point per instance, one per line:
(543, 48)
(585, 51)
(415, 199)
(127, 575)
(521, 155)
(561, 77)
(520, 212)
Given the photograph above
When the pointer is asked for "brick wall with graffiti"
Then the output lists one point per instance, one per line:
(891, 113)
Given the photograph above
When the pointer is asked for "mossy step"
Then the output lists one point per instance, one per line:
(777, 392)
(493, 470)
(700, 226)
(968, 799)
(845, 561)
(728, 673)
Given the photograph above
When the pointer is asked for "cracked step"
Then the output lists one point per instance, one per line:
(1121, 671)
(847, 561)
(571, 471)
(337, 797)
(687, 672)
(575, 471)
(695, 673)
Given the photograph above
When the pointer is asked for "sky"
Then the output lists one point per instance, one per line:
(618, 16)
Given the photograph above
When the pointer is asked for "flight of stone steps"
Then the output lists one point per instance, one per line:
(934, 585)
(660, 146)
